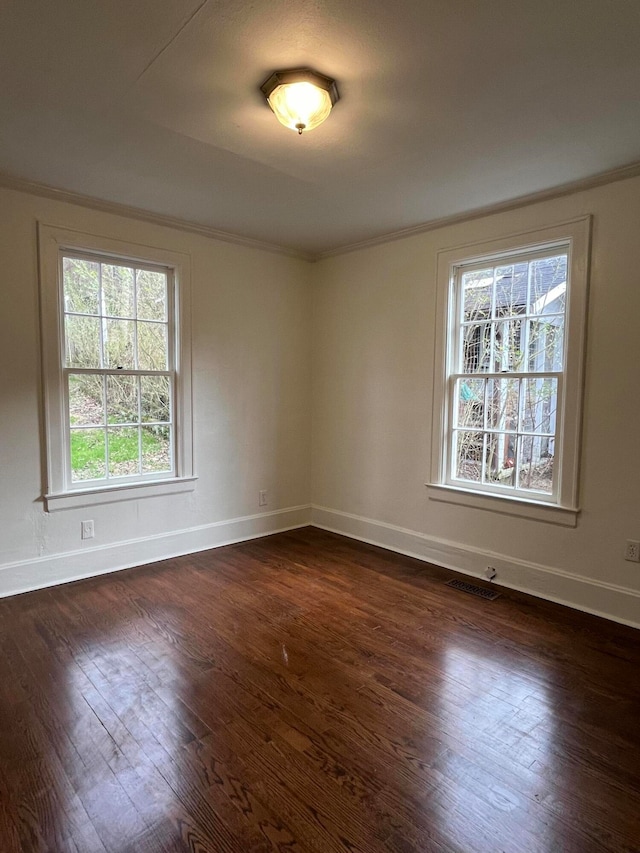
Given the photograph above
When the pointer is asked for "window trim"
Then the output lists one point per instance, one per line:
(574, 236)
(52, 240)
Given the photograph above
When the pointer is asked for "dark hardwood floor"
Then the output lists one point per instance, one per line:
(304, 692)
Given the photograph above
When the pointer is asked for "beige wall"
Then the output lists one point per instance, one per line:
(374, 315)
(314, 381)
(251, 387)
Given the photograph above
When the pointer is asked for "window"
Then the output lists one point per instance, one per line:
(509, 359)
(116, 368)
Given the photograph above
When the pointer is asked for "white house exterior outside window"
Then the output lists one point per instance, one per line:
(509, 354)
(116, 369)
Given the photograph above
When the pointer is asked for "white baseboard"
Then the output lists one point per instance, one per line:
(602, 599)
(40, 572)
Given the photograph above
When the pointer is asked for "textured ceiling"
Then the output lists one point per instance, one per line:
(447, 106)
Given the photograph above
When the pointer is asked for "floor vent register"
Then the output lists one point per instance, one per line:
(472, 589)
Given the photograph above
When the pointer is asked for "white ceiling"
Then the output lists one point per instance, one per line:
(446, 106)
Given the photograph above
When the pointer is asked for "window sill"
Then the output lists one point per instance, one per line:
(111, 494)
(504, 504)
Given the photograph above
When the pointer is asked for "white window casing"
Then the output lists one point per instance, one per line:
(60, 490)
(448, 481)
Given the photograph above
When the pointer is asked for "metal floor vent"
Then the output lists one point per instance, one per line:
(472, 589)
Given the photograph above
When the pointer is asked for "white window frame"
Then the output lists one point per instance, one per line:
(562, 507)
(59, 491)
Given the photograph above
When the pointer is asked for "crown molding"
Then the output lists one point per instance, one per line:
(45, 191)
(602, 178)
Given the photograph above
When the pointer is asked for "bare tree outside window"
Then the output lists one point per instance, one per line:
(507, 377)
(118, 369)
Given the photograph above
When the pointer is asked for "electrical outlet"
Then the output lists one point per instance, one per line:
(87, 529)
(490, 573)
(262, 497)
(632, 551)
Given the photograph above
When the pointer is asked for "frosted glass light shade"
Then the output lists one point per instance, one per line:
(300, 106)
(300, 98)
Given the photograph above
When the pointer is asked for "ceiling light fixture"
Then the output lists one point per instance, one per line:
(300, 98)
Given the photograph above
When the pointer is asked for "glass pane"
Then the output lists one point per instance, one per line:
(535, 463)
(81, 285)
(124, 452)
(508, 354)
(477, 289)
(119, 344)
(548, 285)
(86, 405)
(511, 289)
(546, 344)
(117, 290)
(470, 397)
(156, 449)
(87, 454)
(152, 295)
(502, 404)
(155, 394)
(152, 346)
(82, 341)
(476, 348)
(122, 399)
(500, 459)
(467, 456)
(539, 405)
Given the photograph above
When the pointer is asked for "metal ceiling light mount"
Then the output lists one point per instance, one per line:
(300, 97)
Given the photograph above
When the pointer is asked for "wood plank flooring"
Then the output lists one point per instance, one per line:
(304, 692)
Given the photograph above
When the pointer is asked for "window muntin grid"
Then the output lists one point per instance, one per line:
(118, 368)
(505, 386)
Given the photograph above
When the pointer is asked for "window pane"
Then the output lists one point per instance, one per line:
(152, 346)
(511, 289)
(155, 398)
(87, 454)
(548, 285)
(502, 404)
(476, 348)
(82, 341)
(468, 450)
(119, 344)
(117, 290)
(156, 449)
(477, 289)
(546, 344)
(470, 397)
(500, 459)
(508, 353)
(535, 465)
(539, 405)
(81, 285)
(152, 295)
(122, 399)
(86, 404)
(124, 451)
